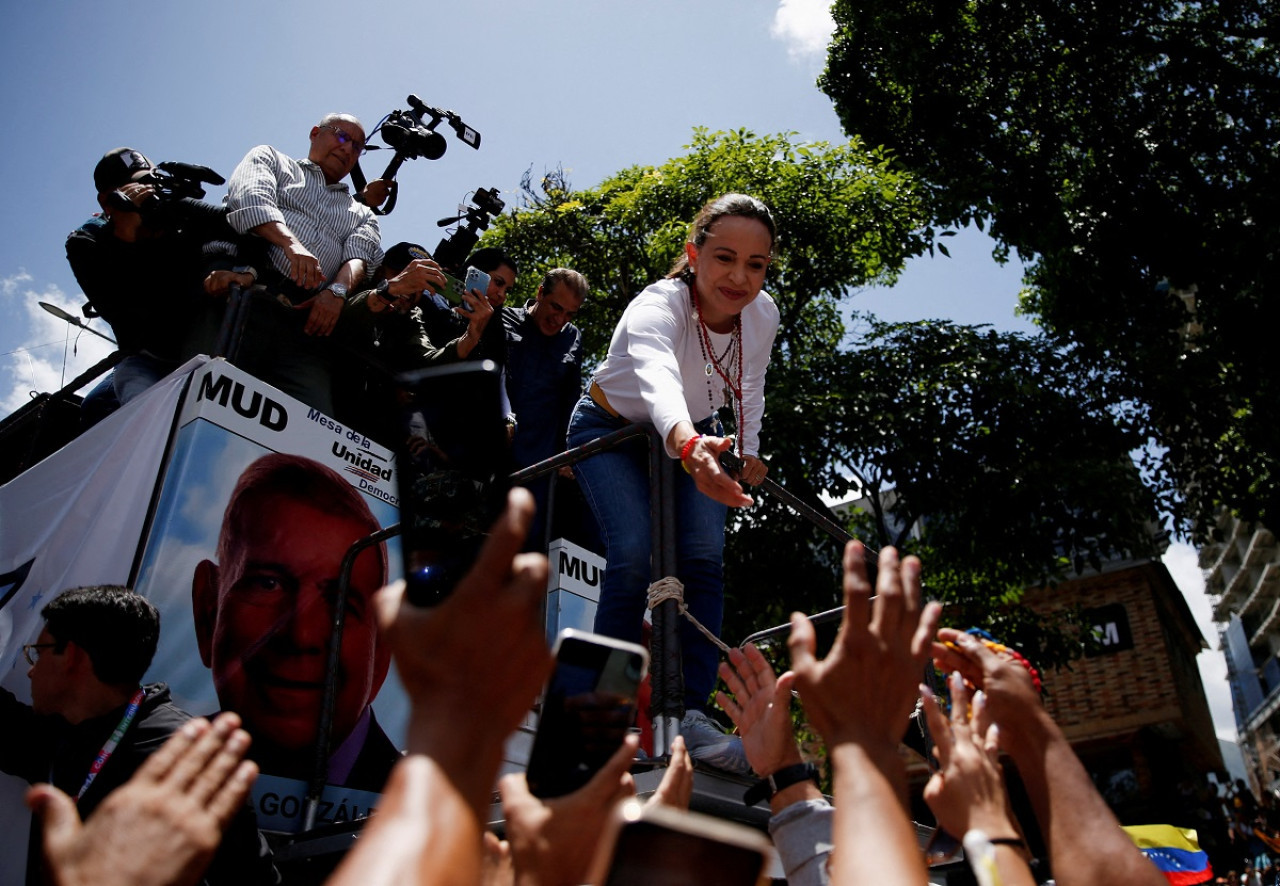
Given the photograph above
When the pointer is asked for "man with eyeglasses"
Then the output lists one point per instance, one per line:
(91, 723)
(322, 240)
(544, 380)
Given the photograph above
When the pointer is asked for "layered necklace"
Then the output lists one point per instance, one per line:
(728, 366)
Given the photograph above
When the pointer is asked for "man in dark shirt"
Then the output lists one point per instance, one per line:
(143, 267)
(544, 376)
(90, 725)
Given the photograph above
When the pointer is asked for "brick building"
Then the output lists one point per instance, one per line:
(1136, 712)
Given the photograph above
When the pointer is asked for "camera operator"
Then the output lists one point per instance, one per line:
(143, 264)
(322, 244)
(443, 323)
(380, 333)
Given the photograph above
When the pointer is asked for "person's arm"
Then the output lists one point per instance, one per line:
(163, 825)
(967, 791)
(760, 328)
(253, 208)
(466, 698)
(324, 308)
(858, 699)
(653, 331)
(1076, 822)
(760, 706)
(479, 315)
(554, 840)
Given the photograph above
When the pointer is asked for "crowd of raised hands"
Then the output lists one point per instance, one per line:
(469, 691)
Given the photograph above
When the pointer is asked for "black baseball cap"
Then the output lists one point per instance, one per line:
(402, 253)
(119, 167)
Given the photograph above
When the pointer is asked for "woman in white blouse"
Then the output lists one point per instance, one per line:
(688, 355)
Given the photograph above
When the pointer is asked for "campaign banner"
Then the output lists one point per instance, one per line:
(261, 500)
(74, 519)
(246, 595)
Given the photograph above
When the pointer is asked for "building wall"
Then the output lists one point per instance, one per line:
(1136, 713)
(1243, 581)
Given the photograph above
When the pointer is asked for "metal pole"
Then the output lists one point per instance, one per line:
(324, 731)
(667, 706)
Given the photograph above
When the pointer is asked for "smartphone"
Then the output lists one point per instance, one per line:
(453, 287)
(653, 844)
(587, 709)
(453, 465)
(452, 290)
(478, 281)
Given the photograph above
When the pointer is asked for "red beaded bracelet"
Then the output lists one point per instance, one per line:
(688, 447)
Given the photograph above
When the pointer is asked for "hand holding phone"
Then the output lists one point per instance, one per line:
(589, 706)
(453, 469)
(477, 283)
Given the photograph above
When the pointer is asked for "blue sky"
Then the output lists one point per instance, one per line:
(590, 85)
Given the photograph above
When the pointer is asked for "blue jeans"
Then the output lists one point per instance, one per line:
(616, 485)
(135, 374)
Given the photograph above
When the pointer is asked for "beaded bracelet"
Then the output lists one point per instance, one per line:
(685, 450)
(996, 646)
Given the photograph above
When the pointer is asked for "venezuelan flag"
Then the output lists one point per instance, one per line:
(1175, 851)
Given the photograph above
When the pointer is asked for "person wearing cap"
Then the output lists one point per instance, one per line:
(381, 333)
(146, 273)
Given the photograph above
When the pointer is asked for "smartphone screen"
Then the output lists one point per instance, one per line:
(453, 465)
(589, 705)
(692, 852)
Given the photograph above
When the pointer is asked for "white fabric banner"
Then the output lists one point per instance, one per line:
(74, 519)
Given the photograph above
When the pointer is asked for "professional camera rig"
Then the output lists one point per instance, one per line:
(412, 134)
(454, 249)
(171, 183)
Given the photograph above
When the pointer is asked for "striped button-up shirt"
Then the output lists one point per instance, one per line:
(268, 186)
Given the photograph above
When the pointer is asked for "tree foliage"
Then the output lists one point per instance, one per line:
(1130, 150)
(1011, 449)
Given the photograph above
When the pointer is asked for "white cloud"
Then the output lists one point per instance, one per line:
(804, 27)
(1183, 564)
(35, 360)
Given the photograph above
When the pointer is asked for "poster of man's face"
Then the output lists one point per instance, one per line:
(264, 609)
(245, 561)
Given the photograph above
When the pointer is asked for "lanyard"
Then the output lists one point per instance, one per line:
(109, 748)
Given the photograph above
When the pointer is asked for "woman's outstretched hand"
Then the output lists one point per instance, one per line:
(702, 461)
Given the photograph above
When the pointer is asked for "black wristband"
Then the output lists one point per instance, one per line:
(785, 777)
(1015, 842)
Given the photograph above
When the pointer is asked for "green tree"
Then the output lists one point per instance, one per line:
(1129, 150)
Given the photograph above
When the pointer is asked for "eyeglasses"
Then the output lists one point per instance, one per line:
(344, 137)
(31, 651)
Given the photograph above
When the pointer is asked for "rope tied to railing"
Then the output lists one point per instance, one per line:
(671, 588)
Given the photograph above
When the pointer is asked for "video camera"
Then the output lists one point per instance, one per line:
(171, 183)
(454, 249)
(412, 134)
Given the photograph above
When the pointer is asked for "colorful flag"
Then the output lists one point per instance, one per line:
(1175, 851)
